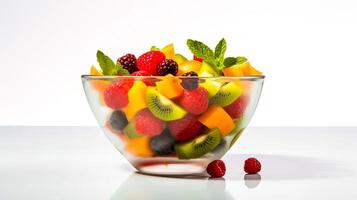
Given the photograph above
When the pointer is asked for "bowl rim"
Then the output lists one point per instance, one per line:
(107, 77)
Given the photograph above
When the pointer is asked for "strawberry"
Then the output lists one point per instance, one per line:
(149, 61)
(237, 108)
(194, 101)
(116, 94)
(185, 129)
(147, 124)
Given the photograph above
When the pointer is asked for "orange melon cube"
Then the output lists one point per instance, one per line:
(139, 147)
(170, 87)
(137, 99)
(169, 51)
(216, 117)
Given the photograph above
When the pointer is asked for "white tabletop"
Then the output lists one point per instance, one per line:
(79, 163)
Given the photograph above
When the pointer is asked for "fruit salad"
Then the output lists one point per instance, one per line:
(162, 104)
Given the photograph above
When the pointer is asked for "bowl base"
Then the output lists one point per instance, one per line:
(172, 168)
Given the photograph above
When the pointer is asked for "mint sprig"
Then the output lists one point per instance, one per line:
(109, 67)
(201, 50)
(230, 61)
(219, 52)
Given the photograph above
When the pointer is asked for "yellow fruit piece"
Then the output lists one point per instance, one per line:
(137, 99)
(187, 66)
(169, 51)
(98, 85)
(233, 71)
(216, 117)
(244, 69)
(170, 87)
(139, 147)
(94, 71)
(254, 72)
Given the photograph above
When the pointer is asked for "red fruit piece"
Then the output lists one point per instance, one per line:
(147, 81)
(216, 169)
(141, 73)
(252, 166)
(237, 108)
(185, 129)
(194, 101)
(197, 58)
(149, 61)
(116, 94)
(147, 124)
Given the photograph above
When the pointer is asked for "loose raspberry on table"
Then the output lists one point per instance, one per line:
(252, 166)
(216, 169)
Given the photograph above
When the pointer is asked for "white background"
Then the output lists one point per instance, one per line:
(306, 48)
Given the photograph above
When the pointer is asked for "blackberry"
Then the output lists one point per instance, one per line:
(190, 83)
(162, 144)
(118, 120)
(128, 62)
(167, 66)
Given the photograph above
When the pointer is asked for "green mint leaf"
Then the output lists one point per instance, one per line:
(219, 52)
(229, 61)
(106, 64)
(201, 50)
(241, 60)
(120, 70)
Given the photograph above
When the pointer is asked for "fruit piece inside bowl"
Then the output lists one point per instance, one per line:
(169, 115)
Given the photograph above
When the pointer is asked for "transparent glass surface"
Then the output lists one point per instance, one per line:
(150, 153)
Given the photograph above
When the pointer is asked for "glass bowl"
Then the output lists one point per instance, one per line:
(172, 125)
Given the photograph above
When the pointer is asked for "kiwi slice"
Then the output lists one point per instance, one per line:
(130, 130)
(198, 146)
(162, 107)
(227, 94)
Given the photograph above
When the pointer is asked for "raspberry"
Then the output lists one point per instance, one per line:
(197, 58)
(149, 61)
(116, 94)
(216, 169)
(237, 108)
(194, 101)
(190, 83)
(186, 128)
(252, 166)
(167, 66)
(128, 62)
(147, 81)
(147, 124)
